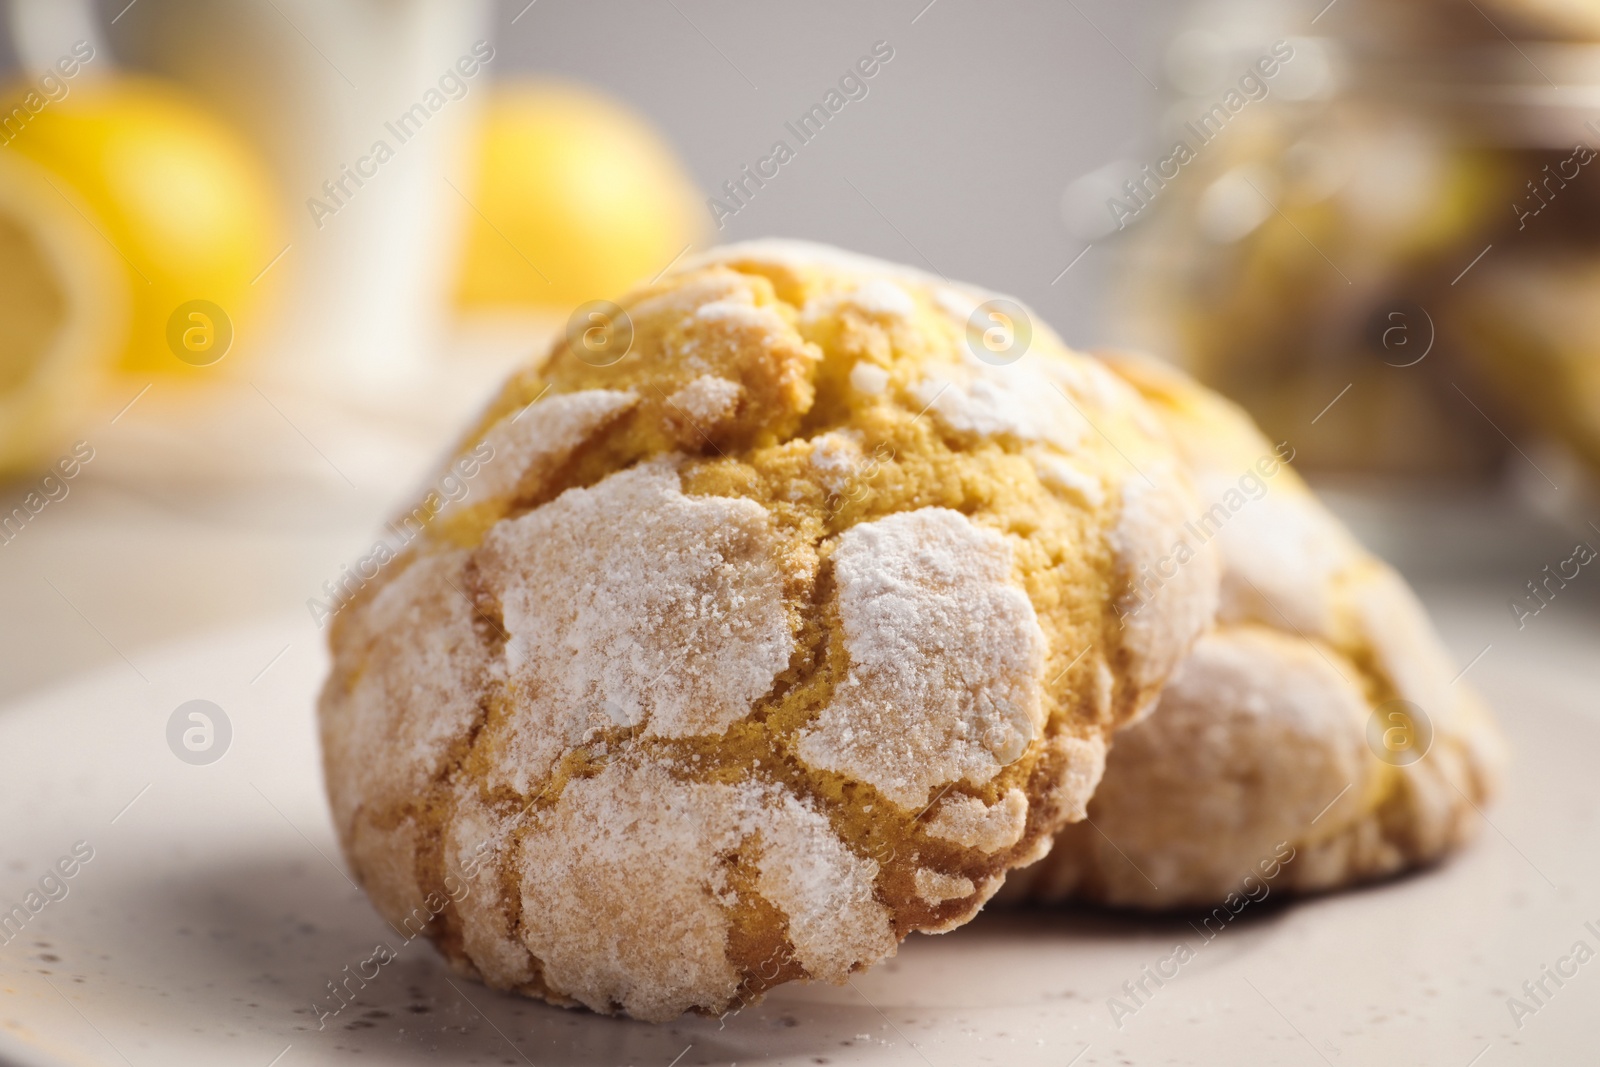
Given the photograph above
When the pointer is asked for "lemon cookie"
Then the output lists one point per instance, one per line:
(775, 624)
(1318, 720)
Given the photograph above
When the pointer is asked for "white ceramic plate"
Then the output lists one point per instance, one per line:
(215, 909)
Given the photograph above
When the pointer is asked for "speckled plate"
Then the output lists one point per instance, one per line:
(214, 912)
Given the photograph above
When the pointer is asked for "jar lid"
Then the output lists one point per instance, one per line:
(1525, 94)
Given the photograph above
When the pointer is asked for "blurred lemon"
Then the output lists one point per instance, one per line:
(63, 314)
(576, 188)
(175, 192)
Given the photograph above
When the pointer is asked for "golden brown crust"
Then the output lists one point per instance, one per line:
(784, 636)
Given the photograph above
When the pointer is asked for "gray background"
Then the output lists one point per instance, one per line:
(964, 143)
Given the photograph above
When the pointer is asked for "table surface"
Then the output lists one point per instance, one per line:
(215, 909)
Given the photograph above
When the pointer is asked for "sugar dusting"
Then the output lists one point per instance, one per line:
(1158, 627)
(624, 892)
(868, 378)
(708, 400)
(946, 658)
(630, 603)
(536, 438)
(836, 456)
(1085, 758)
(478, 842)
(878, 297)
(387, 858)
(936, 887)
(989, 828)
(739, 307)
(825, 890)
(1023, 400)
(617, 891)
(425, 670)
(633, 608)
(1280, 553)
(1059, 474)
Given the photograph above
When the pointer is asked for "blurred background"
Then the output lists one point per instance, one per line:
(263, 257)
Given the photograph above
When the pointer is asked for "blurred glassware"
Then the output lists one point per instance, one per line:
(576, 197)
(1338, 254)
(1546, 18)
(1530, 326)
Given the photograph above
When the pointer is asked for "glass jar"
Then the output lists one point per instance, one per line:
(1384, 236)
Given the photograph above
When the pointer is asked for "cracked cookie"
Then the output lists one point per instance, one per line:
(1320, 711)
(784, 635)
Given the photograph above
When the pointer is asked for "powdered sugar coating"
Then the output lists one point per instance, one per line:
(1059, 473)
(836, 452)
(824, 889)
(479, 843)
(1255, 735)
(868, 378)
(1184, 598)
(1018, 400)
(936, 887)
(529, 441)
(836, 456)
(660, 950)
(396, 722)
(605, 946)
(969, 821)
(1085, 760)
(946, 658)
(707, 400)
(632, 604)
(740, 309)
(874, 296)
(387, 858)
(1280, 556)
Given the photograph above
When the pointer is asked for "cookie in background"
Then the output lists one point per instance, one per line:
(1319, 726)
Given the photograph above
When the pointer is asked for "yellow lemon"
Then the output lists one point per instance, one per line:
(575, 197)
(173, 191)
(63, 315)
